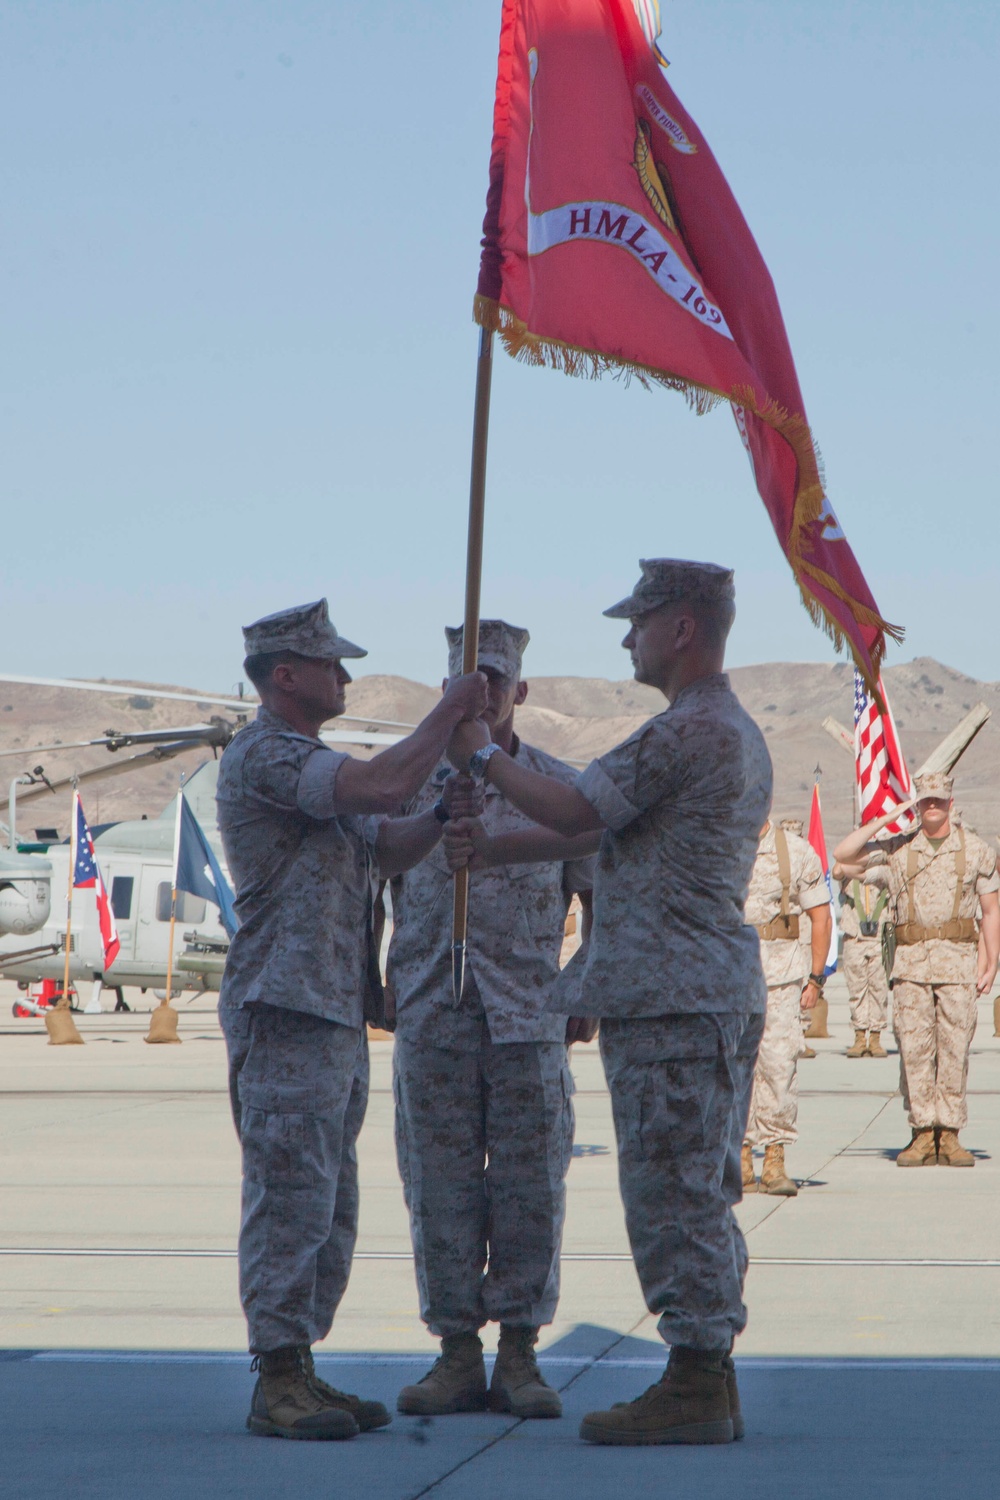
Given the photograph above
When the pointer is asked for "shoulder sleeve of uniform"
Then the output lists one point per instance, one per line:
(315, 794)
(635, 775)
(272, 767)
(987, 878)
(811, 885)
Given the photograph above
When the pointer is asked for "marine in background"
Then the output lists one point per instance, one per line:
(797, 826)
(787, 884)
(484, 1111)
(943, 883)
(864, 912)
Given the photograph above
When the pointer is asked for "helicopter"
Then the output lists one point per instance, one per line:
(135, 858)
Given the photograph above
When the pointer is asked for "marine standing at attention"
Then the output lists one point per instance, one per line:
(864, 911)
(672, 970)
(787, 881)
(484, 1113)
(300, 980)
(940, 875)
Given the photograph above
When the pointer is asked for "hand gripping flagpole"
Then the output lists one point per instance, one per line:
(473, 590)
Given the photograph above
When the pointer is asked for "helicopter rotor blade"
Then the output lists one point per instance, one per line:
(219, 732)
(143, 692)
(98, 773)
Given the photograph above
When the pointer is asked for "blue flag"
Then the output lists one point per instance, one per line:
(198, 870)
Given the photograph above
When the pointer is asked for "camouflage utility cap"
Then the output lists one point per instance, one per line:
(792, 825)
(666, 580)
(933, 784)
(501, 647)
(304, 629)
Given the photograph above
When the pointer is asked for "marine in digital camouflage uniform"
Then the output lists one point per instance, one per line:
(674, 973)
(303, 847)
(484, 1114)
(864, 911)
(787, 883)
(943, 882)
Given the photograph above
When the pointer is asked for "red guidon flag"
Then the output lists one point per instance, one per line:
(612, 241)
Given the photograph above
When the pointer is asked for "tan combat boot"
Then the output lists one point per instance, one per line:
(689, 1404)
(286, 1403)
(808, 1051)
(875, 1048)
(860, 1045)
(746, 1166)
(773, 1177)
(517, 1385)
(921, 1152)
(367, 1414)
(950, 1153)
(455, 1382)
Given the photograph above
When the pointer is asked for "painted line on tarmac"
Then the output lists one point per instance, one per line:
(916, 1262)
(563, 1361)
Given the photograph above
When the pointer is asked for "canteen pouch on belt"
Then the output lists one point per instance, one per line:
(888, 949)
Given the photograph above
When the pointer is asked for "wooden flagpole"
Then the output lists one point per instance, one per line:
(473, 591)
(64, 999)
(163, 1020)
(59, 1023)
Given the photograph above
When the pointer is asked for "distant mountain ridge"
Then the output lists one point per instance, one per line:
(573, 717)
(580, 717)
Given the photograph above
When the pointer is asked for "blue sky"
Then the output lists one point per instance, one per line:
(239, 254)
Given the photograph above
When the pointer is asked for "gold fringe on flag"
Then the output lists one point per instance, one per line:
(810, 497)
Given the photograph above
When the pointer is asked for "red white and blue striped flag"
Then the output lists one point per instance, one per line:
(87, 877)
(881, 778)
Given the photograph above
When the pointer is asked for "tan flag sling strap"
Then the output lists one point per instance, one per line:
(786, 924)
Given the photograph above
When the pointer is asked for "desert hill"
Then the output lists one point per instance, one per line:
(573, 717)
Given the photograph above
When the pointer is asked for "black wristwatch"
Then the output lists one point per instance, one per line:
(441, 812)
(819, 980)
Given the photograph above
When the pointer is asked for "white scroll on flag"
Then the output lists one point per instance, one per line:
(882, 781)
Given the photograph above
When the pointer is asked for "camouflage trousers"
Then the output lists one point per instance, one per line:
(934, 1026)
(299, 1088)
(774, 1105)
(861, 963)
(680, 1092)
(484, 1141)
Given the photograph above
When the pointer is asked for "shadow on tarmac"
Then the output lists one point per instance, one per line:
(134, 1423)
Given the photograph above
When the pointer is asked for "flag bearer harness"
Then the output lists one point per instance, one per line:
(785, 926)
(868, 922)
(957, 929)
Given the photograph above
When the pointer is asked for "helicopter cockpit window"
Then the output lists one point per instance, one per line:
(121, 896)
(189, 908)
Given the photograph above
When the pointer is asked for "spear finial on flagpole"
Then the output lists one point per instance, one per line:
(473, 591)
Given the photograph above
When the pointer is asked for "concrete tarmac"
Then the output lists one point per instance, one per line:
(871, 1361)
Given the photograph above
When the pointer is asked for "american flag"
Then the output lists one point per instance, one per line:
(880, 772)
(87, 876)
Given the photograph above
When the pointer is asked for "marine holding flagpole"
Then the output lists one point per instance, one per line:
(307, 832)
